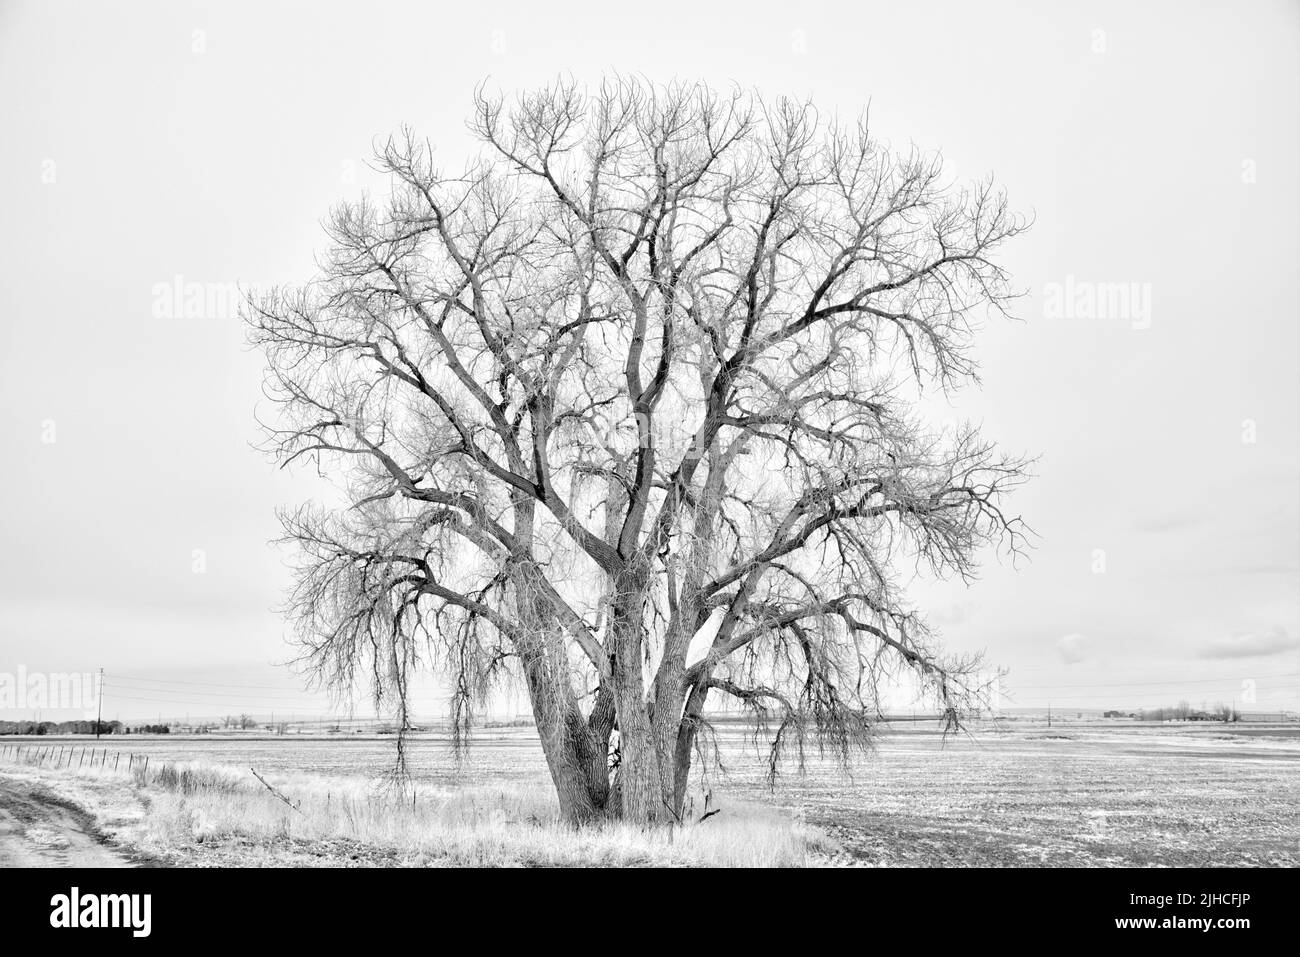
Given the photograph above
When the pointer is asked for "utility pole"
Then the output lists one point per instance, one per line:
(100, 718)
(1049, 714)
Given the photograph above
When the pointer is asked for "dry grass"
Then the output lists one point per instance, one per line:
(200, 814)
(1015, 794)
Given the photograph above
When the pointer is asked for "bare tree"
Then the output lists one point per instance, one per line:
(627, 407)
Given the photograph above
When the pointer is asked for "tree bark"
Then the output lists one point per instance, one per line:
(574, 755)
(575, 749)
(640, 772)
(684, 746)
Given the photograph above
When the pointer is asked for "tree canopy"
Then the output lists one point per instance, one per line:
(626, 408)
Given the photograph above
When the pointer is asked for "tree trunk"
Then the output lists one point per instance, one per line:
(575, 759)
(667, 725)
(639, 769)
(640, 773)
(575, 750)
(687, 732)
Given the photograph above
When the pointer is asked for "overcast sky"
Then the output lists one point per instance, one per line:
(1155, 143)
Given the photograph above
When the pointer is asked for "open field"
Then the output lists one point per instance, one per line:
(1018, 794)
(1061, 797)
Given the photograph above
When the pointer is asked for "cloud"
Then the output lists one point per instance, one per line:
(1073, 648)
(1272, 642)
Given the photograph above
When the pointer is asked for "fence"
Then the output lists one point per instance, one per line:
(71, 756)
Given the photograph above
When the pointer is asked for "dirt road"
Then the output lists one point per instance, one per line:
(38, 829)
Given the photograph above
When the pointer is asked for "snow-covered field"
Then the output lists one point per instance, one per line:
(1017, 794)
(1066, 796)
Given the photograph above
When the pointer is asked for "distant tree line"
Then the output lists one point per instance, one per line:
(1183, 711)
(79, 727)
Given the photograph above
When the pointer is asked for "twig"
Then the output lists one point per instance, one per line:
(274, 791)
(676, 817)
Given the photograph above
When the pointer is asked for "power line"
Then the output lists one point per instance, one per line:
(187, 701)
(1139, 684)
(145, 694)
(422, 704)
(204, 684)
(289, 696)
(1017, 701)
